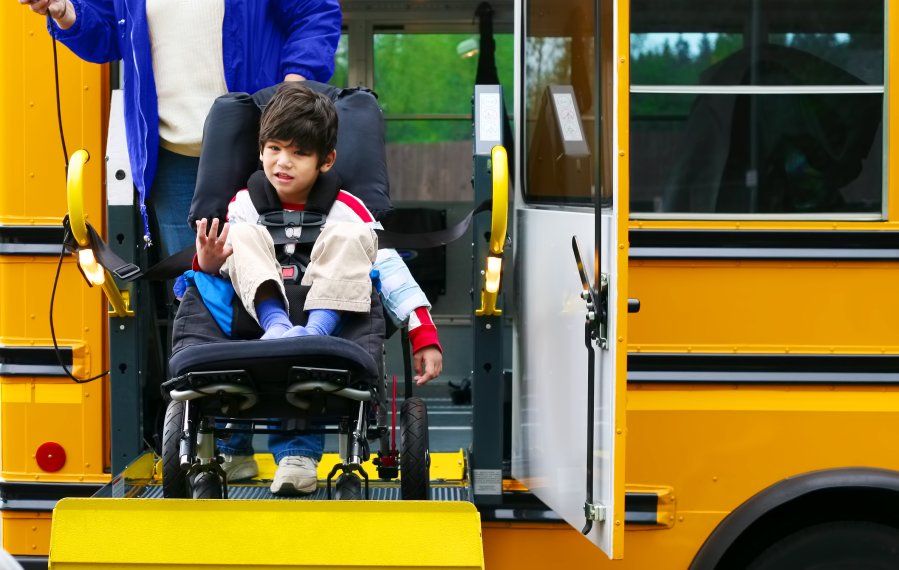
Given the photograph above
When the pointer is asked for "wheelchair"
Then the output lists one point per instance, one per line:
(303, 380)
(218, 385)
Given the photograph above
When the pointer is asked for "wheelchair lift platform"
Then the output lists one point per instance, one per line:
(224, 534)
(128, 524)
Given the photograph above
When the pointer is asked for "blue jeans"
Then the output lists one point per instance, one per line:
(308, 445)
(169, 200)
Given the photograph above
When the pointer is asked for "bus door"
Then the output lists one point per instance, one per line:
(568, 348)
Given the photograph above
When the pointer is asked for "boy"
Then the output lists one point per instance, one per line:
(298, 135)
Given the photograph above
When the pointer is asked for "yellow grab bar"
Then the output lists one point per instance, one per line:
(75, 196)
(500, 219)
(94, 272)
(498, 227)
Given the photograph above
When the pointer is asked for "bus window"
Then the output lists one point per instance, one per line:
(559, 102)
(425, 82)
(341, 63)
(756, 107)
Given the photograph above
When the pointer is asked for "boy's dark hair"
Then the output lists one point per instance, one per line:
(302, 117)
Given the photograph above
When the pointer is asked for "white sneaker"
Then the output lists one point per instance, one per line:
(238, 467)
(295, 475)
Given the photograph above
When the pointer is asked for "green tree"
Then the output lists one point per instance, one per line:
(424, 74)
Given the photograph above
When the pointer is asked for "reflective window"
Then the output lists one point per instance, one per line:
(757, 107)
(425, 83)
(560, 99)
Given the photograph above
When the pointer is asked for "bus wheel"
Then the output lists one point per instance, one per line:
(837, 545)
(207, 485)
(174, 479)
(415, 461)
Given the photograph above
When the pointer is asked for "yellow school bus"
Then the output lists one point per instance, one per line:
(716, 388)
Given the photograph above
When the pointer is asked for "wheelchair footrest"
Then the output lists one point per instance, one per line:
(193, 385)
(305, 381)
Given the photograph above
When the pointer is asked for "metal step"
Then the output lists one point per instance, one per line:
(260, 490)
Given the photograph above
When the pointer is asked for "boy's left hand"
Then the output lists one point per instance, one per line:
(212, 248)
(428, 363)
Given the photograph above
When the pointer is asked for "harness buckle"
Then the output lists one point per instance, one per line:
(291, 273)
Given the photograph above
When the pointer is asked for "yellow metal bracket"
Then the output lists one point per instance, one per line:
(93, 271)
(498, 227)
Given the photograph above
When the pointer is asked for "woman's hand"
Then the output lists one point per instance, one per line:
(60, 10)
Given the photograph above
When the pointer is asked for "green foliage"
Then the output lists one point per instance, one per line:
(341, 64)
(424, 74)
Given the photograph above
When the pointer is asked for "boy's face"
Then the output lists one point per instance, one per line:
(292, 171)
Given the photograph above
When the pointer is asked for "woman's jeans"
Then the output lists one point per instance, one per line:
(280, 445)
(170, 198)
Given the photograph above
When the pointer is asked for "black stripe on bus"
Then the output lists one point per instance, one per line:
(763, 368)
(764, 244)
(641, 508)
(40, 497)
(34, 360)
(34, 562)
(31, 240)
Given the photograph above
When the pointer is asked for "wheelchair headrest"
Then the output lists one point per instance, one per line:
(230, 151)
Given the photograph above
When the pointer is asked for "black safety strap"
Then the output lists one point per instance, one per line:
(425, 240)
(177, 263)
(104, 254)
(168, 268)
(172, 266)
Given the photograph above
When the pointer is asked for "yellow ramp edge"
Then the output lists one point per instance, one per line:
(183, 533)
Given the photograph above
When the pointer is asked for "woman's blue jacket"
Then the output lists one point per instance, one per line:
(262, 41)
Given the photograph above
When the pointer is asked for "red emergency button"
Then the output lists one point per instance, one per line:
(50, 456)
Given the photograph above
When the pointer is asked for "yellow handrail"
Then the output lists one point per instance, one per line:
(498, 228)
(75, 196)
(95, 273)
(499, 221)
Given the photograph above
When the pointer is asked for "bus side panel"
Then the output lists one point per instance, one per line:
(38, 403)
(32, 165)
(26, 533)
(718, 446)
(829, 307)
(47, 411)
(514, 545)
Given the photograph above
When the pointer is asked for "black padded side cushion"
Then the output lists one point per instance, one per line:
(230, 151)
(272, 359)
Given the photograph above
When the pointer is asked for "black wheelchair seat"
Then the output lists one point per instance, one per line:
(283, 376)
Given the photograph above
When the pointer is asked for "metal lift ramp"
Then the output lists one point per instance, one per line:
(224, 534)
(127, 524)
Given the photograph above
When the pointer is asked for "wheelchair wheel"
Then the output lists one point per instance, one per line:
(207, 485)
(415, 461)
(348, 487)
(174, 479)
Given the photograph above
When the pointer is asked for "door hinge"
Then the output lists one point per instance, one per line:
(595, 512)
